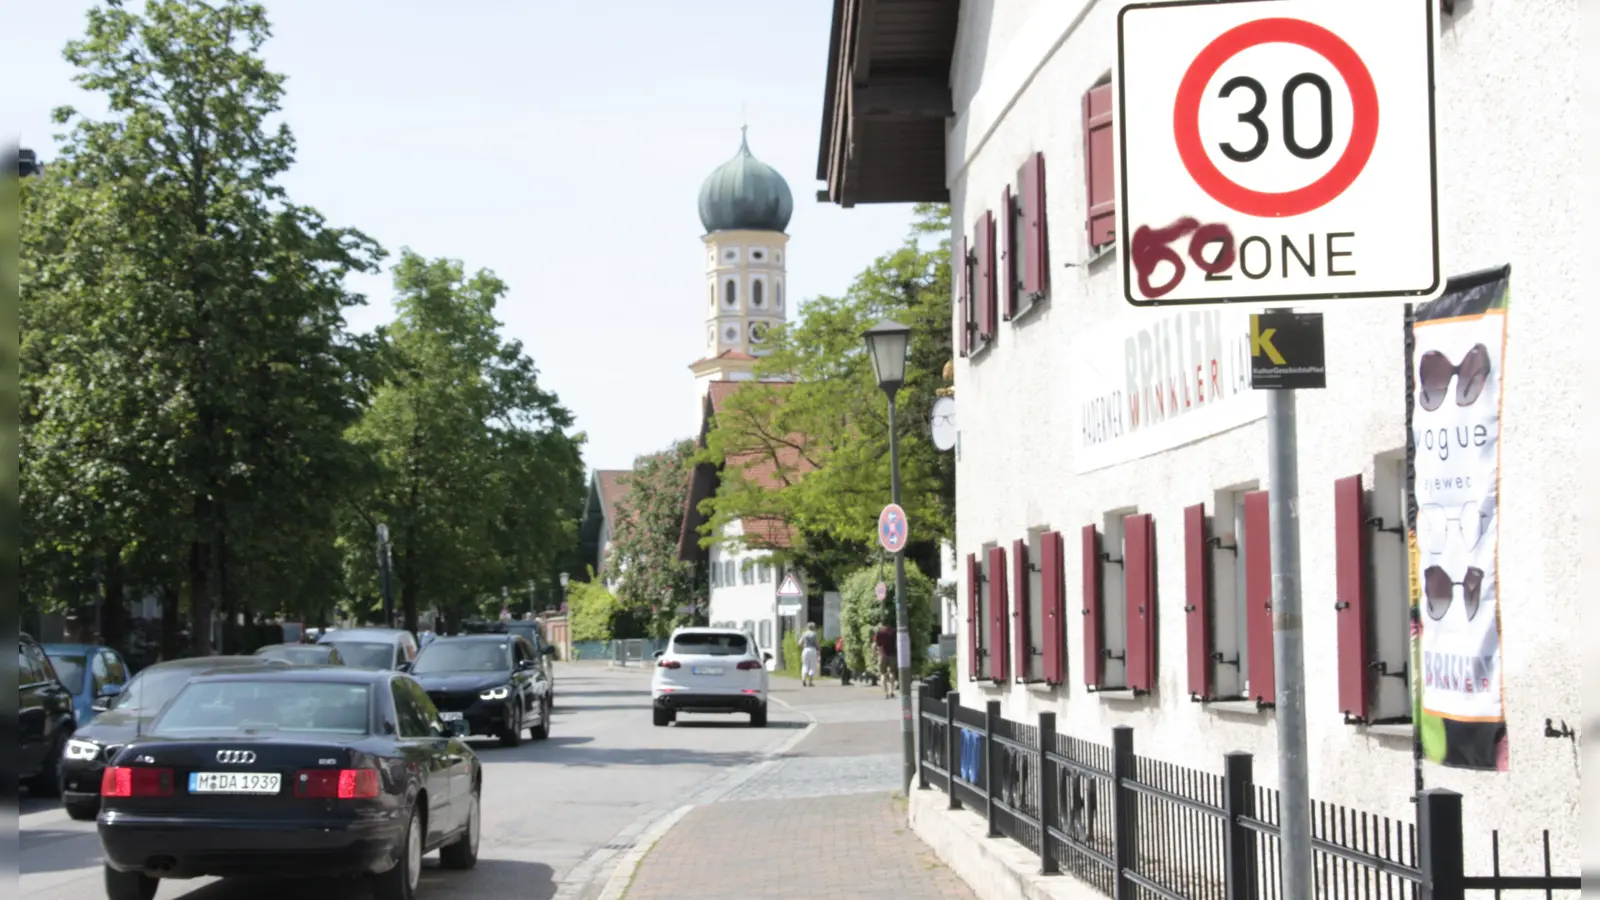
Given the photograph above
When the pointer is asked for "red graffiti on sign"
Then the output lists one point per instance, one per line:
(1153, 246)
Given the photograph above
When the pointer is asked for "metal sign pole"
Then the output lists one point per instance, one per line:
(1288, 645)
(901, 617)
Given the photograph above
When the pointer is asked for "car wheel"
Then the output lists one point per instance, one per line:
(82, 810)
(541, 731)
(130, 885)
(400, 882)
(758, 719)
(512, 736)
(463, 854)
(48, 782)
(663, 717)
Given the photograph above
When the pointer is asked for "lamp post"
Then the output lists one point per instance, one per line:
(888, 343)
(564, 578)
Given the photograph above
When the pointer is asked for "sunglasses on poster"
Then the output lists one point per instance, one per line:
(1434, 521)
(1440, 591)
(1435, 371)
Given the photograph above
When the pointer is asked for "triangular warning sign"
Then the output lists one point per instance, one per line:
(790, 587)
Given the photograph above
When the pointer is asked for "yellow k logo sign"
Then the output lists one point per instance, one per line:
(1261, 342)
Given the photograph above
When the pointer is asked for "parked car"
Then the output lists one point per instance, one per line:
(121, 717)
(491, 681)
(45, 719)
(317, 772)
(303, 654)
(542, 650)
(90, 672)
(710, 670)
(373, 648)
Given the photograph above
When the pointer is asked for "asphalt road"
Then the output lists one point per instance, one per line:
(556, 813)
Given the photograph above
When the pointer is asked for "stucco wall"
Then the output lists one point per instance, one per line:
(740, 603)
(1509, 159)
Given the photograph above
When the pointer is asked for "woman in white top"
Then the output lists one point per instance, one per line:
(809, 653)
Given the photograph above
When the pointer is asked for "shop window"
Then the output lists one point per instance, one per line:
(1119, 610)
(1028, 599)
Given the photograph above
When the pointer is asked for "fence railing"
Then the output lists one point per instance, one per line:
(1135, 827)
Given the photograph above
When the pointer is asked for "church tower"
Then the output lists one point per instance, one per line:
(745, 206)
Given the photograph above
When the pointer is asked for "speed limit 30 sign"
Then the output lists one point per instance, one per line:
(1277, 151)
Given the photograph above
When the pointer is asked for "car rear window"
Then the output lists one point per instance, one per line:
(304, 656)
(709, 644)
(364, 655)
(232, 707)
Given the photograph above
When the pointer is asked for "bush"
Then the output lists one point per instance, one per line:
(861, 611)
(590, 609)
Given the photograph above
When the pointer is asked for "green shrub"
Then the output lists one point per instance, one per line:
(860, 612)
(590, 609)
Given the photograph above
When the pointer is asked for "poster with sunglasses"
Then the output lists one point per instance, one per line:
(1454, 352)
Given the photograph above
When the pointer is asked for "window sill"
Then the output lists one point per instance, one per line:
(1121, 694)
(980, 349)
(1236, 707)
(1020, 316)
(1406, 731)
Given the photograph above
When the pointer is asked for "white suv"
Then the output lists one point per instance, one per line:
(710, 670)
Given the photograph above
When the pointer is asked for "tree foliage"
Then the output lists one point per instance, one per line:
(591, 609)
(833, 419)
(652, 583)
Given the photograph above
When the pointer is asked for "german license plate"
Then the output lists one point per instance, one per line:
(235, 782)
(449, 716)
(708, 670)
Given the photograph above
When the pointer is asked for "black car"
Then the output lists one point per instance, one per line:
(545, 653)
(303, 654)
(45, 719)
(492, 681)
(121, 718)
(373, 648)
(303, 771)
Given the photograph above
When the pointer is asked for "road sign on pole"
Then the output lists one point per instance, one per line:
(790, 587)
(893, 530)
(882, 591)
(1276, 152)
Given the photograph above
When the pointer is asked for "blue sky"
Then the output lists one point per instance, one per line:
(561, 144)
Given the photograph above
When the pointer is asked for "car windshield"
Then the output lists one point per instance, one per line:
(230, 707)
(303, 656)
(150, 690)
(711, 644)
(366, 655)
(463, 656)
(70, 670)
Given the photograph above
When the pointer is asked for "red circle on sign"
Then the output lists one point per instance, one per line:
(1363, 131)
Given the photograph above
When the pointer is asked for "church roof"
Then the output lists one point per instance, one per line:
(745, 194)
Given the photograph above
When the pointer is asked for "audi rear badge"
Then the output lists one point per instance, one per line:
(241, 757)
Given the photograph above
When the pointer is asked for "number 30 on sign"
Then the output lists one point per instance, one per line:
(1276, 150)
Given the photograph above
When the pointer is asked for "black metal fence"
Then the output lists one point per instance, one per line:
(1135, 827)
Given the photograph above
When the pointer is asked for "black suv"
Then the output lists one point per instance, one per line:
(545, 653)
(45, 719)
(493, 681)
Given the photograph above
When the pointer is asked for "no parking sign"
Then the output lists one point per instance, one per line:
(1276, 150)
(893, 531)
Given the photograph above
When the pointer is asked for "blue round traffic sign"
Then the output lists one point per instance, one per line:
(893, 530)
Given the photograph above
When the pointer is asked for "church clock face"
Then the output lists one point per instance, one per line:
(730, 334)
(758, 332)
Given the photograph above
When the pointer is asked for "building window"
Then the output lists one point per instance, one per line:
(777, 293)
(730, 294)
(1029, 599)
(1119, 603)
(1373, 576)
(758, 255)
(1099, 165)
(977, 620)
(1226, 552)
(1022, 217)
(747, 574)
(711, 289)
(727, 573)
(716, 575)
(756, 298)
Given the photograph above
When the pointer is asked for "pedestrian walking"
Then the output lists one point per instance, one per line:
(810, 653)
(888, 670)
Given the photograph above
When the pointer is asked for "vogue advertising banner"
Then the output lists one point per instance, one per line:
(1160, 380)
(1455, 346)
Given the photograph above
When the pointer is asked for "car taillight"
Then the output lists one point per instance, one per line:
(336, 784)
(748, 664)
(135, 781)
(669, 664)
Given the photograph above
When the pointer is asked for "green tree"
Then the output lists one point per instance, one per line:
(861, 612)
(476, 477)
(652, 583)
(591, 608)
(187, 372)
(833, 420)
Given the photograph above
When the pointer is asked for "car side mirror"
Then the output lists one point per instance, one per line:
(659, 653)
(107, 691)
(403, 667)
(528, 664)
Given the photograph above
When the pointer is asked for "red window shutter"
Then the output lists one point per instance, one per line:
(998, 657)
(1139, 565)
(1197, 592)
(1350, 587)
(1093, 645)
(1258, 596)
(1036, 269)
(1008, 241)
(1019, 607)
(986, 298)
(1054, 587)
(974, 633)
(1098, 166)
(963, 298)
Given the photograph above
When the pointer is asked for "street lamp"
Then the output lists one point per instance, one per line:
(564, 577)
(887, 344)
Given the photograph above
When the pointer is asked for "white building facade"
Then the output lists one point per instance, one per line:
(1122, 512)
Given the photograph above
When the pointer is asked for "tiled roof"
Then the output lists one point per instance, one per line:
(755, 466)
(726, 354)
(614, 487)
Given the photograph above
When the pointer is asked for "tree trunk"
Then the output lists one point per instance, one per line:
(171, 598)
(231, 643)
(200, 598)
(405, 571)
(113, 604)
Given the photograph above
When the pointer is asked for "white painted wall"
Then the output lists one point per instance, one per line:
(1510, 184)
(739, 603)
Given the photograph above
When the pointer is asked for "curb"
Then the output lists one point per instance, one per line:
(651, 827)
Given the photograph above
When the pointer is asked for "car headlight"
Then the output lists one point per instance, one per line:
(83, 750)
(499, 693)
